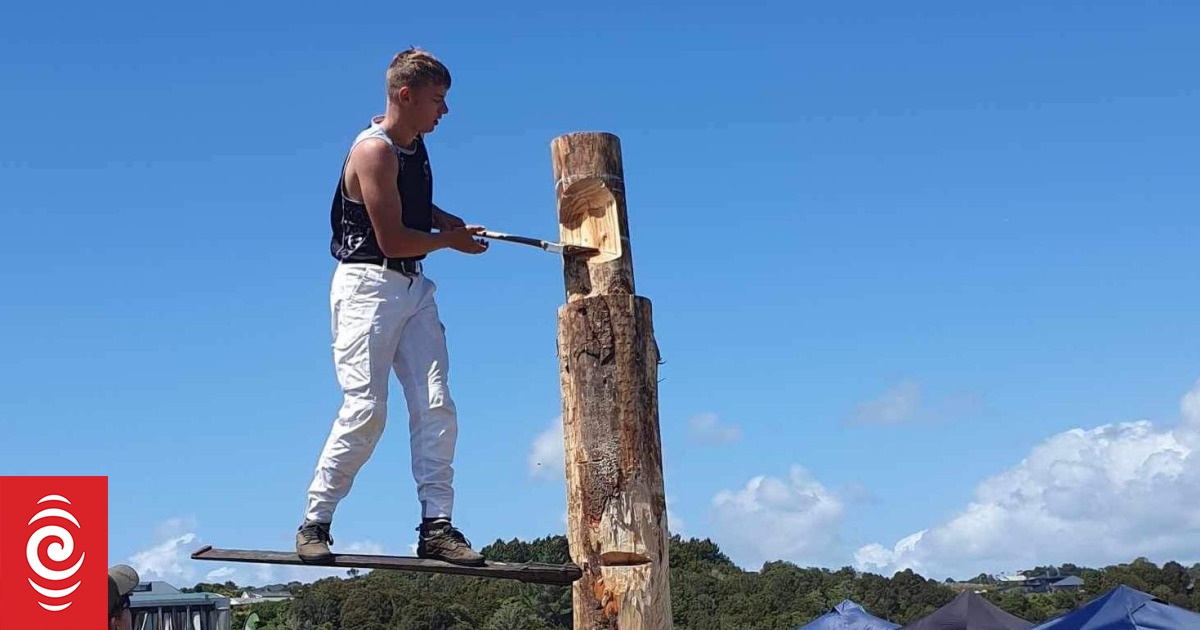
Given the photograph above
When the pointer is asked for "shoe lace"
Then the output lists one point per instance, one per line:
(453, 532)
(448, 531)
(317, 532)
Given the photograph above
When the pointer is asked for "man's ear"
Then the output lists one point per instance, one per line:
(404, 94)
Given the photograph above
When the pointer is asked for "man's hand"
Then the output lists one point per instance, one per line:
(463, 239)
(444, 221)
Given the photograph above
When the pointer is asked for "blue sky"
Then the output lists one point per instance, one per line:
(918, 272)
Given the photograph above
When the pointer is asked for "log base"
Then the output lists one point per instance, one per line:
(616, 518)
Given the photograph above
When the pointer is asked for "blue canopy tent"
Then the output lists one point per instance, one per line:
(849, 616)
(1125, 608)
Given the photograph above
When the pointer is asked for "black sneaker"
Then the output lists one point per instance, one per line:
(439, 540)
(312, 542)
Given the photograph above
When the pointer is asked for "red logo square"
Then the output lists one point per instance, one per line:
(53, 553)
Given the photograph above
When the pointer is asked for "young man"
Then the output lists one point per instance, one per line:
(122, 579)
(384, 316)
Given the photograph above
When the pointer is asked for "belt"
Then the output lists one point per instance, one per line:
(404, 266)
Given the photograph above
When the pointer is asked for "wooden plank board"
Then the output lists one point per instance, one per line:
(532, 572)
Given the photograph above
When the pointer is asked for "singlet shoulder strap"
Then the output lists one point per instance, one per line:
(373, 130)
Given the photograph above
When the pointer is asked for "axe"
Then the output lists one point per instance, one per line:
(555, 248)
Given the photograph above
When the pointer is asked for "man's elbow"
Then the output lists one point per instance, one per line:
(392, 249)
(400, 245)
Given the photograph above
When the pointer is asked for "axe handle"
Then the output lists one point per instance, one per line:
(525, 240)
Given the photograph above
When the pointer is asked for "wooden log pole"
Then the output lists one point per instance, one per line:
(608, 362)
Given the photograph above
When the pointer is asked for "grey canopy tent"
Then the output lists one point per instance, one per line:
(969, 611)
(1124, 608)
(848, 616)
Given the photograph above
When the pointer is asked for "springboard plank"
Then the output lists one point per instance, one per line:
(532, 572)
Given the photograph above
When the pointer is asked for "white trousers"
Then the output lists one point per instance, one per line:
(383, 320)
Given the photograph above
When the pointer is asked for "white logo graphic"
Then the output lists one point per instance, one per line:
(59, 551)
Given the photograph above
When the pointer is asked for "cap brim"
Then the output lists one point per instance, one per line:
(125, 578)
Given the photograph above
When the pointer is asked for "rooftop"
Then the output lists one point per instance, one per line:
(158, 593)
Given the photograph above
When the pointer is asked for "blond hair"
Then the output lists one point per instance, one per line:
(416, 68)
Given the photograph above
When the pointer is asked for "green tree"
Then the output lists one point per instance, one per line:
(366, 609)
(516, 614)
(432, 615)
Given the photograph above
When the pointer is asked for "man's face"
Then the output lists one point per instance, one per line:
(425, 105)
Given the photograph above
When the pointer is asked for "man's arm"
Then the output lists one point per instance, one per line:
(376, 166)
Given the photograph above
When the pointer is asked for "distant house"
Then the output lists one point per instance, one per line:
(1069, 583)
(1009, 577)
(272, 593)
(1050, 583)
(1045, 583)
(1011, 581)
(1040, 583)
(159, 606)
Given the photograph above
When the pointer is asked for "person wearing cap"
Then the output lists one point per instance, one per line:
(122, 579)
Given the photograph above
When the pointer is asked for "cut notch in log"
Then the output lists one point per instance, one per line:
(588, 217)
(622, 559)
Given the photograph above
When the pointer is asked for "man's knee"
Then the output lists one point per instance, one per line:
(440, 400)
(439, 389)
(363, 414)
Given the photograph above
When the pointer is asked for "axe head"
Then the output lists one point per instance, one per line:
(576, 250)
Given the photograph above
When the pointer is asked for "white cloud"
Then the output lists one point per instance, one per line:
(897, 405)
(905, 403)
(1088, 496)
(794, 519)
(707, 429)
(173, 527)
(167, 560)
(546, 455)
(243, 574)
(876, 555)
(221, 575)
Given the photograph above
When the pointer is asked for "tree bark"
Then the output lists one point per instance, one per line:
(608, 358)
